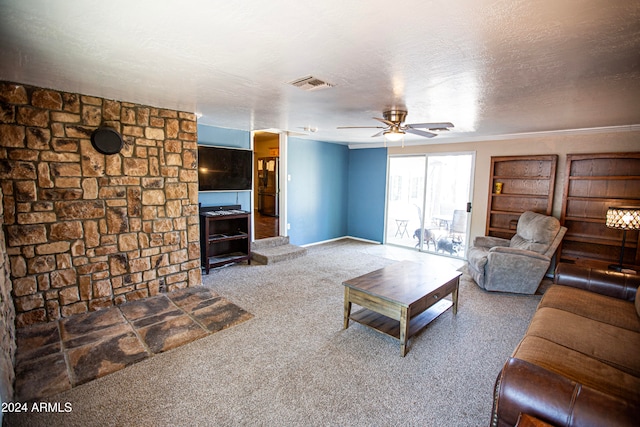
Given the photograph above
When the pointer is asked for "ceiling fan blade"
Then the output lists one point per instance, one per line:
(442, 125)
(386, 122)
(294, 133)
(421, 133)
(378, 134)
(360, 127)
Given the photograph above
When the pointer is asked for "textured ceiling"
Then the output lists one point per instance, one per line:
(492, 67)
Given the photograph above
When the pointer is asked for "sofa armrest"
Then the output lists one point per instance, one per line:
(490, 241)
(605, 282)
(523, 387)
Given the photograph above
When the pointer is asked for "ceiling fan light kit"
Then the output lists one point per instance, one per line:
(393, 135)
(395, 129)
(395, 116)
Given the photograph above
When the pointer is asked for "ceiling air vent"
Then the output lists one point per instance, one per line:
(310, 83)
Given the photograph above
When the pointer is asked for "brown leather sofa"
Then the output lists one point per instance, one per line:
(579, 361)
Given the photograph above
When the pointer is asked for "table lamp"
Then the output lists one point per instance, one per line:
(623, 218)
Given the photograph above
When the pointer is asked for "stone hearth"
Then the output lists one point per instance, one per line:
(55, 356)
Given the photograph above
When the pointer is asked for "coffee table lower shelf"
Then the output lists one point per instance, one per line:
(391, 327)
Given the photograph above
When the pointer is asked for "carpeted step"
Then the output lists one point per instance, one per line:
(270, 255)
(270, 242)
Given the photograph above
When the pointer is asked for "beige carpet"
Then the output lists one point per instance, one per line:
(293, 364)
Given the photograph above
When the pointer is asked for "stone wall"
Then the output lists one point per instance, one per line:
(86, 230)
(7, 324)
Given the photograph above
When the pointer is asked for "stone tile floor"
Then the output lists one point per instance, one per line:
(56, 356)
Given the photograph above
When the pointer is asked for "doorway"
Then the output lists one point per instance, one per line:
(429, 202)
(266, 188)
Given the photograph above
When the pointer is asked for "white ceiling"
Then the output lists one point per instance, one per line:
(492, 67)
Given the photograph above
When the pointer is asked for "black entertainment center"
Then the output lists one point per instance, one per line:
(225, 231)
(225, 236)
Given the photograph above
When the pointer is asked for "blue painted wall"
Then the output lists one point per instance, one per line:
(333, 192)
(367, 182)
(221, 137)
(317, 193)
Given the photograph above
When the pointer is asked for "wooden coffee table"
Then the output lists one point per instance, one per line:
(401, 299)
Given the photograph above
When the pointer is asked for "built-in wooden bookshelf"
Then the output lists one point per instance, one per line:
(527, 185)
(593, 183)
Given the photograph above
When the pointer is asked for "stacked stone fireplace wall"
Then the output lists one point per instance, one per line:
(85, 230)
(7, 324)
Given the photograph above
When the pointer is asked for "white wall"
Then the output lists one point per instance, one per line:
(560, 144)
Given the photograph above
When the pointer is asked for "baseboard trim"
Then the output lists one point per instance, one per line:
(360, 239)
(338, 239)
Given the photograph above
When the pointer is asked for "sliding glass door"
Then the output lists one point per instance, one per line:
(428, 202)
(405, 199)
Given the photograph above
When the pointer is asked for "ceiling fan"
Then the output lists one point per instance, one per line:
(395, 128)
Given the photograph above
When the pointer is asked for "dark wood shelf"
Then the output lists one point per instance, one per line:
(586, 238)
(222, 259)
(528, 185)
(229, 236)
(391, 327)
(522, 178)
(224, 237)
(532, 196)
(601, 199)
(604, 177)
(501, 212)
(502, 230)
(593, 183)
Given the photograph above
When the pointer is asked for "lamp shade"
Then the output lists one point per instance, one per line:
(624, 218)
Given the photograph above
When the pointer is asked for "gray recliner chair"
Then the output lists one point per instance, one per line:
(517, 265)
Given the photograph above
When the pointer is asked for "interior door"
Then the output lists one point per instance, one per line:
(429, 202)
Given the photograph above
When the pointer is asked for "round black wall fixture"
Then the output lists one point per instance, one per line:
(106, 140)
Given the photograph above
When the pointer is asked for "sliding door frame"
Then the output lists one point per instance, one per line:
(426, 157)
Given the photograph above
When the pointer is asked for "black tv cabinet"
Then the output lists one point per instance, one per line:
(225, 236)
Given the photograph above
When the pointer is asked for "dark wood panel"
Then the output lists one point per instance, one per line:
(503, 234)
(527, 185)
(524, 186)
(523, 167)
(593, 183)
(519, 204)
(579, 249)
(589, 250)
(507, 221)
(593, 230)
(609, 164)
(605, 188)
(589, 208)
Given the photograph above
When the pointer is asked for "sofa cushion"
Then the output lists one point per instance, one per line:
(579, 367)
(518, 242)
(614, 346)
(535, 232)
(595, 306)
